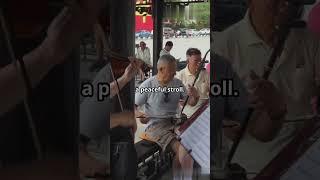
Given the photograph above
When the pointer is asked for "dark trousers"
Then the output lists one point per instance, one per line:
(123, 161)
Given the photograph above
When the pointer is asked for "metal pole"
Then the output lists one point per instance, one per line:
(157, 15)
(122, 39)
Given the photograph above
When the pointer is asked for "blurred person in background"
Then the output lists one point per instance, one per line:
(295, 78)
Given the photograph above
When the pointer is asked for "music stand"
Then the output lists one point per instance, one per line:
(195, 137)
(290, 155)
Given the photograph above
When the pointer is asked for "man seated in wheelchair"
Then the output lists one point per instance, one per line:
(160, 96)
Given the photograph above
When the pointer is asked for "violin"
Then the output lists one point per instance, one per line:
(119, 63)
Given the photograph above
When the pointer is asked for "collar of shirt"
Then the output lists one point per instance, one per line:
(249, 35)
(146, 49)
(251, 38)
(187, 71)
(165, 51)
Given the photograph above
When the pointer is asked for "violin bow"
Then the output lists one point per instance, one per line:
(112, 54)
(27, 83)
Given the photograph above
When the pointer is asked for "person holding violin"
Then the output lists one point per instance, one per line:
(95, 122)
(294, 79)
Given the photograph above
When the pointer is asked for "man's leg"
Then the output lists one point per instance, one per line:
(182, 163)
(176, 167)
(186, 162)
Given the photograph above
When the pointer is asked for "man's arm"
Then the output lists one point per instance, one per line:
(141, 99)
(270, 109)
(122, 81)
(63, 35)
(128, 75)
(12, 87)
(265, 122)
(142, 117)
(193, 96)
(123, 119)
(260, 125)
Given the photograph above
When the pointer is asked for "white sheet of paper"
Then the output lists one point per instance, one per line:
(197, 139)
(307, 166)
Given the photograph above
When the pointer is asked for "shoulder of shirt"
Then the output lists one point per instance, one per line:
(147, 82)
(205, 72)
(177, 81)
(228, 35)
(222, 64)
(305, 36)
(102, 75)
(179, 73)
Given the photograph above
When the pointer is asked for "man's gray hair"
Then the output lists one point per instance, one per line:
(167, 59)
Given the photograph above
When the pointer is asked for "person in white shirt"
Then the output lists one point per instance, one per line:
(296, 74)
(143, 53)
(188, 75)
(167, 48)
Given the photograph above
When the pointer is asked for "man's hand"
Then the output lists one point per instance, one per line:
(132, 69)
(124, 119)
(192, 92)
(264, 96)
(231, 129)
(66, 30)
(137, 63)
(143, 118)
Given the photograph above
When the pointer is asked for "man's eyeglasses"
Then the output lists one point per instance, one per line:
(166, 97)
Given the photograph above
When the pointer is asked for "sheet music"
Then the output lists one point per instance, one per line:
(197, 139)
(307, 167)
